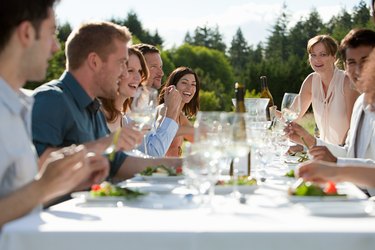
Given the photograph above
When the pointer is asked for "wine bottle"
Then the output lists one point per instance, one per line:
(265, 93)
(239, 90)
(240, 131)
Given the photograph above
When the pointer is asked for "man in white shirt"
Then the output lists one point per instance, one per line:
(27, 42)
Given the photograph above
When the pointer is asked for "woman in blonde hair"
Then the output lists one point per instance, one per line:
(329, 91)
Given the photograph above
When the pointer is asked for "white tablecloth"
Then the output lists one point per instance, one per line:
(267, 221)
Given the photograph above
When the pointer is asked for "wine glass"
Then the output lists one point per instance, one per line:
(143, 111)
(200, 168)
(290, 107)
(208, 137)
(235, 141)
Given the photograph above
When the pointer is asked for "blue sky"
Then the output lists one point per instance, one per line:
(173, 18)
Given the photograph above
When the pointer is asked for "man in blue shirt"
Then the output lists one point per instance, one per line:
(67, 111)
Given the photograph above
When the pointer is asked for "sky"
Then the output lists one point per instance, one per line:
(173, 18)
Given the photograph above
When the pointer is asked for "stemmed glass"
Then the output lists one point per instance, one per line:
(290, 107)
(236, 143)
(143, 111)
(208, 145)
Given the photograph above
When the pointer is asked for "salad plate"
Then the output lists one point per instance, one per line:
(147, 187)
(345, 192)
(86, 196)
(227, 189)
(339, 209)
(160, 178)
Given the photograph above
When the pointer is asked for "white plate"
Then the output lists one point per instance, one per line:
(160, 178)
(227, 189)
(146, 187)
(85, 195)
(294, 198)
(339, 209)
(352, 194)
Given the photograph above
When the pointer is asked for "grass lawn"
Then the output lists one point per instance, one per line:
(308, 122)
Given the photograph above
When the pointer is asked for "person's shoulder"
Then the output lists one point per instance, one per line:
(51, 88)
(49, 91)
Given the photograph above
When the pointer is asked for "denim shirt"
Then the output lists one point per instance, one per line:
(64, 114)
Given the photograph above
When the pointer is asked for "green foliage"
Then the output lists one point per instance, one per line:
(136, 28)
(206, 37)
(209, 101)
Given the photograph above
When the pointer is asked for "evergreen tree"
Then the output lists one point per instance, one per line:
(238, 52)
(277, 45)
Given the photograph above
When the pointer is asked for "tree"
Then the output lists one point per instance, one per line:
(63, 32)
(361, 15)
(136, 28)
(207, 37)
(277, 46)
(238, 52)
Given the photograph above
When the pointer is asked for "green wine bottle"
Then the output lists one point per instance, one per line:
(266, 93)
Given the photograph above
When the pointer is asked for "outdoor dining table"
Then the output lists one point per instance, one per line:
(268, 220)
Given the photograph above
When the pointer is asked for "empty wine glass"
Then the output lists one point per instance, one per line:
(200, 168)
(290, 107)
(236, 142)
(143, 111)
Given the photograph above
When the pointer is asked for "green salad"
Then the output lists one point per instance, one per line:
(312, 189)
(242, 181)
(107, 189)
(161, 170)
(290, 174)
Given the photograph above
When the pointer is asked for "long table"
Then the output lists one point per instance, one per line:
(267, 221)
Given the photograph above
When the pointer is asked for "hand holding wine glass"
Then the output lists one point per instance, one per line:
(143, 110)
(290, 107)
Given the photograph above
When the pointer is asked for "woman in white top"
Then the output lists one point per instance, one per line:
(329, 90)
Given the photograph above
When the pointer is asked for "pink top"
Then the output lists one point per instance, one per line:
(330, 111)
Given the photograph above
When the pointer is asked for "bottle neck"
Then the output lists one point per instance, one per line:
(263, 81)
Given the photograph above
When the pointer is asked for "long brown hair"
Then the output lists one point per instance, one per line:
(108, 105)
(191, 108)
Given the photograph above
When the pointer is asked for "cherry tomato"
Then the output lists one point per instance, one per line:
(178, 170)
(95, 187)
(330, 188)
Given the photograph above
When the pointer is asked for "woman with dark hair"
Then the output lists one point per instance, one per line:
(186, 81)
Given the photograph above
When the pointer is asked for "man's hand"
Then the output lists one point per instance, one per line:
(62, 171)
(322, 153)
(318, 171)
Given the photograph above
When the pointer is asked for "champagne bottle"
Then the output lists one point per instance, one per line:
(265, 93)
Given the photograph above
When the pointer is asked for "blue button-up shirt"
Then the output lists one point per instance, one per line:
(65, 114)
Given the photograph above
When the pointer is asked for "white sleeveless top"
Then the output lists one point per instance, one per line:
(330, 111)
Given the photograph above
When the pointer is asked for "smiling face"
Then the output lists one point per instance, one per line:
(320, 60)
(112, 71)
(128, 85)
(187, 87)
(355, 59)
(155, 67)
